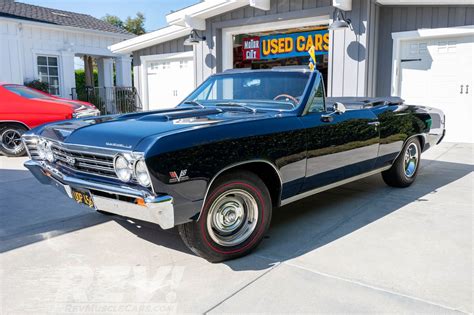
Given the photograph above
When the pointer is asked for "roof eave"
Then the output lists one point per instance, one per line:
(194, 16)
(150, 39)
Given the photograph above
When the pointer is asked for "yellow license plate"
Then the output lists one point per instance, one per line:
(83, 197)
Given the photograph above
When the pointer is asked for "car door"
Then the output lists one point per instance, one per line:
(339, 145)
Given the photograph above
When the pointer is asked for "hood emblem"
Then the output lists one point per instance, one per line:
(174, 178)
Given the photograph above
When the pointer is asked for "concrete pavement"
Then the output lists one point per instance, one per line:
(363, 247)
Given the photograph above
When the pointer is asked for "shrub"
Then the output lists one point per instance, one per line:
(38, 85)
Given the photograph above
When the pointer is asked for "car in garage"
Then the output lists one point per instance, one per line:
(23, 108)
(242, 143)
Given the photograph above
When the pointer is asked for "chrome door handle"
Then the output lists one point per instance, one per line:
(462, 87)
(467, 89)
(374, 123)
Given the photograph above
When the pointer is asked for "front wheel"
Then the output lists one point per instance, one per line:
(405, 168)
(234, 219)
(10, 140)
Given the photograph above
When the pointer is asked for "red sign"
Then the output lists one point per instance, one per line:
(251, 48)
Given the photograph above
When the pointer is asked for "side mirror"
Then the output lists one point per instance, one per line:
(339, 108)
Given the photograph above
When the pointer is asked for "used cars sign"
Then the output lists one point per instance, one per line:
(285, 45)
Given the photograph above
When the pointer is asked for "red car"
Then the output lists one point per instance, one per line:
(23, 108)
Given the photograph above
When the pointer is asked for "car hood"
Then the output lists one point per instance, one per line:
(124, 132)
(70, 104)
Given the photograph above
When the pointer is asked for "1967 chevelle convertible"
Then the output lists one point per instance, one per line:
(241, 144)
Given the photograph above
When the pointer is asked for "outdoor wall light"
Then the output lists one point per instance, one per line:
(340, 21)
(194, 38)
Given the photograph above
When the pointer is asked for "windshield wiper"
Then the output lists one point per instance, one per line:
(195, 103)
(230, 104)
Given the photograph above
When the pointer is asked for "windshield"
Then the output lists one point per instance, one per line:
(277, 90)
(25, 92)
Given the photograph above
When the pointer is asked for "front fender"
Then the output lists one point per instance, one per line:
(184, 164)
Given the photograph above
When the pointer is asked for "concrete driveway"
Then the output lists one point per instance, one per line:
(360, 248)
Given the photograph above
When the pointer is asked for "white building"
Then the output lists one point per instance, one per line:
(421, 50)
(41, 43)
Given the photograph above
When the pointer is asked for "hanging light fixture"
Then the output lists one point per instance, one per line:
(194, 38)
(339, 21)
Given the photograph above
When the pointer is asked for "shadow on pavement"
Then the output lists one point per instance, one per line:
(325, 217)
(296, 228)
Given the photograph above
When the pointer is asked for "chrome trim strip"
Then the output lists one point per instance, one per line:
(71, 148)
(233, 166)
(95, 167)
(333, 185)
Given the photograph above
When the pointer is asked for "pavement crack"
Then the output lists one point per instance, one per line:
(276, 264)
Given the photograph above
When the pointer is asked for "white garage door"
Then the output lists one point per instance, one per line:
(438, 72)
(169, 81)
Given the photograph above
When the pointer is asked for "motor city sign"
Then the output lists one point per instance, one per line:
(251, 48)
(285, 45)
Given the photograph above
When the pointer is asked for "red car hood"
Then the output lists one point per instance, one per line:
(74, 105)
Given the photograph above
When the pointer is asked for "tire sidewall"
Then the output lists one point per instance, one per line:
(7, 151)
(264, 216)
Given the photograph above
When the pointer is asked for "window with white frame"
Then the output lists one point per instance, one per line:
(48, 71)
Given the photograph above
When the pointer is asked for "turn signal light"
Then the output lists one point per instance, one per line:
(140, 202)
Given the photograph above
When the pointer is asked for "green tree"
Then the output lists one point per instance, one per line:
(114, 20)
(135, 25)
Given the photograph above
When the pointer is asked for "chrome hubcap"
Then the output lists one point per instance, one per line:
(11, 139)
(411, 160)
(232, 217)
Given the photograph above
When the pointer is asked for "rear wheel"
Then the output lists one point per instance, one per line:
(234, 219)
(10, 140)
(405, 168)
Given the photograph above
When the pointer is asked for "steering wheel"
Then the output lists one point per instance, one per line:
(292, 98)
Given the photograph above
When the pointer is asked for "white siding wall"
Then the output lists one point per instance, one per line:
(22, 41)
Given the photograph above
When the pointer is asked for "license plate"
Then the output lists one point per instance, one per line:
(83, 197)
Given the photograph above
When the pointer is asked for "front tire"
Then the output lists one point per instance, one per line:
(234, 220)
(405, 168)
(10, 140)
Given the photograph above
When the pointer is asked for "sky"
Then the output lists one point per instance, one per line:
(154, 10)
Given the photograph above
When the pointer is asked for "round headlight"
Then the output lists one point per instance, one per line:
(48, 152)
(141, 173)
(122, 168)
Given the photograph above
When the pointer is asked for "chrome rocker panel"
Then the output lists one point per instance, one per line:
(156, 209)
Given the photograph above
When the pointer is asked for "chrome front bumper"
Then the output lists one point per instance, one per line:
(154, 209)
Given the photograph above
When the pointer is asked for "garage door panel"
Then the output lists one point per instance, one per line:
(169, 82)
(435, 73)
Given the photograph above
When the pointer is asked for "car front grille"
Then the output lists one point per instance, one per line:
(86, 162)
(76, 160)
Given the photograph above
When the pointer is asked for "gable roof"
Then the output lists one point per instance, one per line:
(35, 13)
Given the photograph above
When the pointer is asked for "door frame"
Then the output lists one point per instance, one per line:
(145, 60)
(400, 37)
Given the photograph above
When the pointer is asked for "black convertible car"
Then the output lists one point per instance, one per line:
(241, 144)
